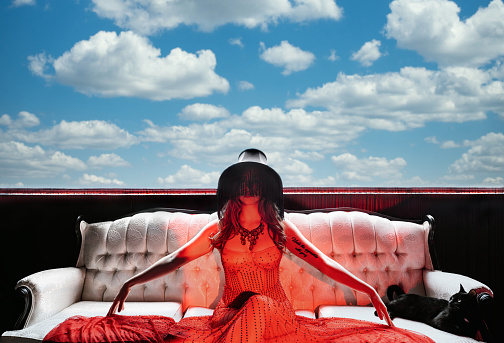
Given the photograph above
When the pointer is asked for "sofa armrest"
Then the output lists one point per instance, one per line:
(443, 285)
(440, 284)
(48, 292)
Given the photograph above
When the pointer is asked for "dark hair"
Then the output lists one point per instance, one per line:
(229, 221)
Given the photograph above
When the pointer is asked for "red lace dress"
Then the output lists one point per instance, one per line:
(266, 315)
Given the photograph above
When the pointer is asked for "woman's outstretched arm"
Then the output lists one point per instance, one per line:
(304, 249)
(198, 246)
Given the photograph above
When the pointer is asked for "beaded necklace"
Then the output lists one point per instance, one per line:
(250, 235)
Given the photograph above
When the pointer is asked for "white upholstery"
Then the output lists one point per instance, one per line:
(375, 249)
(442, 285)
(367, 313)
(114, 251)
(52, 291)
(97, 308)
(203, 311)
(380, 251)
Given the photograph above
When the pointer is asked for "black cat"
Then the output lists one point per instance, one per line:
(459, 315)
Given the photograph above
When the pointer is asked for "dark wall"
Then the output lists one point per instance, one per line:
(37, 226)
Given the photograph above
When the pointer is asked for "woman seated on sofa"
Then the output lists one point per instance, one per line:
(251, 235)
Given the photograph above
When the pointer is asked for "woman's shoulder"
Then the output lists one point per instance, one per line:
(212, 227)
(289, 227)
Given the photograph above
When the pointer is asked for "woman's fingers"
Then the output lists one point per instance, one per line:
(112, 309)
(381, 310)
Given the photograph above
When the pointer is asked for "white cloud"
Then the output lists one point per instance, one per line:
(19, 160)
(295, 172)
(444, 145)
(485, 155)
(435, 30)
(91, 134)
(236, 41)
(287, 56)
(368, 169)
(432, 140)
(17, 3)
(39, 65)
(449, 145)
(245, 86)
(459, 177)
(333, 57)
(187, 176)
(368, 53)
(203, 112)
(148, 17)
(267, 129)
(24, 120)
(308, 155)
(107, 160)
(409, 98)
(15, 185)
(93, 180)
(127, 64)
(494, 181)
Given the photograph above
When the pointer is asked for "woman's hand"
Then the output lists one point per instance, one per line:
(381, 309)
(118, 304)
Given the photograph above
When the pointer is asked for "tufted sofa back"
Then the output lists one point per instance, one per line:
(380, 251)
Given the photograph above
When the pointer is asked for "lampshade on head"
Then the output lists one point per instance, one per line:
(251, 176)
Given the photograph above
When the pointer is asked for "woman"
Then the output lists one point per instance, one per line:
(251, 235)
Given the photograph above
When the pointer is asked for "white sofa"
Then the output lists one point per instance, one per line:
(379, 250)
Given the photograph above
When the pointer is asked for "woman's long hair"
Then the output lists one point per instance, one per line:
(230, 221)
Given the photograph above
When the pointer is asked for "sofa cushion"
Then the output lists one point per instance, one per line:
(97, 308)
(114, 251)
(379, 251)
(367, 313)
(202, 311)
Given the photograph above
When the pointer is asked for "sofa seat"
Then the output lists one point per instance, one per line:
(195, 311)
(100, 308)
(92, 309)
(367, 313)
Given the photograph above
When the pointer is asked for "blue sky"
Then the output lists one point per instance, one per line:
(165, 94)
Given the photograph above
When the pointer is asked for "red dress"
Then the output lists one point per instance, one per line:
(265, 316)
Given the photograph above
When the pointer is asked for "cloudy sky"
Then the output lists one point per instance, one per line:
(166, 94)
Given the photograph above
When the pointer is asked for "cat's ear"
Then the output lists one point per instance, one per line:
(473, 293)
(462, 290)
